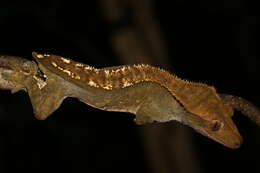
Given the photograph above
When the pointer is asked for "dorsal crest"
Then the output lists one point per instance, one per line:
(191, 95)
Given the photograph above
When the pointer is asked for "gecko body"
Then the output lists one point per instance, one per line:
(196, 98)
(151, 93)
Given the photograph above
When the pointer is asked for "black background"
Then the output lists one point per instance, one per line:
(214, 42)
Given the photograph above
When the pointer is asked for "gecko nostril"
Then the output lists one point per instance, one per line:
(215, 125)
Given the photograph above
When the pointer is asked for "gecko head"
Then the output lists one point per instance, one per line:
(222, 129)
(224, 132)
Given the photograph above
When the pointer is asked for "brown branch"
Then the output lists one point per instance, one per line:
(168, 148)
(244, 106)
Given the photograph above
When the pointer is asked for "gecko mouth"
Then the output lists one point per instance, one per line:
(230, 143)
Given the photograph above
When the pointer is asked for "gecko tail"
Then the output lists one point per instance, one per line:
(245, 107)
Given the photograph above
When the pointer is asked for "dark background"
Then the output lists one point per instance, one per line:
(215, 42)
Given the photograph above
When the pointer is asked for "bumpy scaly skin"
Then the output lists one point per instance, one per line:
(189, 94)
(196, 98)
(152, 94)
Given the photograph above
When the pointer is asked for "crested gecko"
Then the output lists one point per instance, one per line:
(151, 93)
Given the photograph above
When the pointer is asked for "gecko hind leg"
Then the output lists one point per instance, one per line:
(45, 104)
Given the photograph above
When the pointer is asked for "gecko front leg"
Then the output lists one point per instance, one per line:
(157, 105)
(161, 106)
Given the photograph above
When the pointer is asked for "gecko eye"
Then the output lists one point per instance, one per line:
(215, 125)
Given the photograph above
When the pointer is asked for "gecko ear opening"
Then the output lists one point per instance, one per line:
(226, 100)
